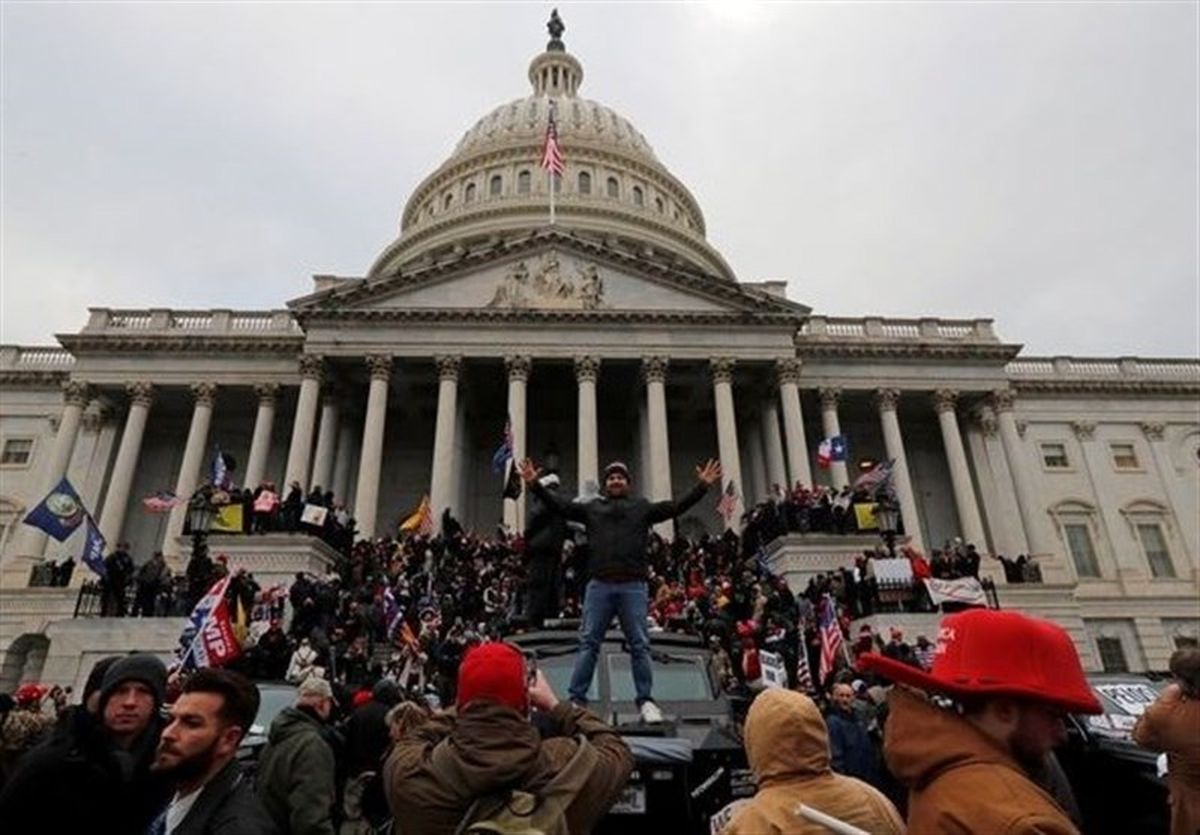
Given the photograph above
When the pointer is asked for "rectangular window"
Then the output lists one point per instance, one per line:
(1124, 456)
(1079, 542)
(1112, 655)
(17, 451)
(1157, 553)
(1054, 456)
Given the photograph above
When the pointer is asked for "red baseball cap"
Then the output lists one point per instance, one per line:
(495, 672)
(984, 652)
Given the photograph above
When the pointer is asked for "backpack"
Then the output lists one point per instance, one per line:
(517, 812)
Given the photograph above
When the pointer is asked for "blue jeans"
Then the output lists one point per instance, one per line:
(630, 602)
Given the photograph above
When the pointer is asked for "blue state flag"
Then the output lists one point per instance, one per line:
(60, 513)
(93, 548)
(837, 448)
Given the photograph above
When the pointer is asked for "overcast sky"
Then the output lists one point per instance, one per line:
(1032, 163)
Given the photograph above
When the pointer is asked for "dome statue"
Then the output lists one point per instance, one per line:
(613, 189)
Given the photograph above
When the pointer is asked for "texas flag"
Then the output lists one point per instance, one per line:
(830, 450)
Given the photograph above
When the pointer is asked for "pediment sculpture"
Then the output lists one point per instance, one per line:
(549, 286)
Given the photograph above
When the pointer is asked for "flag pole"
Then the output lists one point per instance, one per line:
(550, 170)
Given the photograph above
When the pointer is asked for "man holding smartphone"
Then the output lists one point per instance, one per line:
(618, 529)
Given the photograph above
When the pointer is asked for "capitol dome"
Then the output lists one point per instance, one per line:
(613, 187)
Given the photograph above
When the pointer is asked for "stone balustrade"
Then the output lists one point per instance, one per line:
(35, 358)
(879, 329)
(1106, 368)
(212, 322)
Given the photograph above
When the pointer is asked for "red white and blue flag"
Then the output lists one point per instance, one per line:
(209, 640)
(830, 450)
(161, 502)
(552, 157)
(728, 501)
(831, 637)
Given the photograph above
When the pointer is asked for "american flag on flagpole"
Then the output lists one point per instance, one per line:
(804, 679)
(552, 158)
(728, 501)
(831, 638)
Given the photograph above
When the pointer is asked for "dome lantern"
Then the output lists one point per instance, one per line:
(555, 73)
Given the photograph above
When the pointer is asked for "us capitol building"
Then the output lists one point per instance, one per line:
(618, 331)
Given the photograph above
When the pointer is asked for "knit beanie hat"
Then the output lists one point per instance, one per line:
(96, 676)
(141, 667)
(493, 672)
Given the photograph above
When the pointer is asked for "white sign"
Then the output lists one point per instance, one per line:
(963, 590)
(314, 514)
(723, 818)
(1131, 698)
(893, 572)
(773, 672)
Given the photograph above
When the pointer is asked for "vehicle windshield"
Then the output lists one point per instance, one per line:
(558, 673)
(272, 701)
(677, 679)
(1123, 702)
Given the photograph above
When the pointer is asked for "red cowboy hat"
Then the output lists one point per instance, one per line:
(983, 652)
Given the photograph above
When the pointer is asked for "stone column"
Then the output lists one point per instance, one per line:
(300, 450)
(773, 447)
(727, 440)
(945, 401)
(829, 421)
(587, 369)
(893, 443)
(116, 500)
(75, 399)
(370, 465)
(204, 396)
(788, 371)
(1029, 505)
(343, 460)
(260, 442)
(322, 472)
(518, 377)
(1185, 517)
(654, 372)
(441, 484)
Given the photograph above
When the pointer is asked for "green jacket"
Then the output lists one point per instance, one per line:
(296, 781)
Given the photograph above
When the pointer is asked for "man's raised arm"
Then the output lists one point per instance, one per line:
(556, 504)
(706, 476)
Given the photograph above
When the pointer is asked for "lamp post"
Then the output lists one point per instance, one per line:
(200, 514)
(887, 516)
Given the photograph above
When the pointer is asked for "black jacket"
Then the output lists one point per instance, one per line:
(546, 531)
(618, 528)
(76, 781)
(227, 806)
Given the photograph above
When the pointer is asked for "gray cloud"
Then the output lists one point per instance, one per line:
(1035, 163)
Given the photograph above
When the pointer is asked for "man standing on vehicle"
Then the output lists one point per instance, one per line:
(618, 529)
(969, 768)
(1172, 725)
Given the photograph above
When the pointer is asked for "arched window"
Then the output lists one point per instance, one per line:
(495, 186)
(585, 182)
(614, 188)
(469, 193)
(524, 180)
(448, 200)
(658, 204)
(638, 198)
(1080, 532)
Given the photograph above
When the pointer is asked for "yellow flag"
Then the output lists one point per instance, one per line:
(419, 520)
(864, 514)
(228, 519)
(241, 625)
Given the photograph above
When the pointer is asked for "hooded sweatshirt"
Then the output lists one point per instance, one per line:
(787, 745)
(959, 780)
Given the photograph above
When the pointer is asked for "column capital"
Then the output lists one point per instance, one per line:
(887, 399)
(829, 396)
(266, 392)
(1084, 430)
(312, 366)
(1003, 400)
(587, 368)
(204, 393)
(654, 369)
(1153, 430)
(986, 419)
(76, 393)
(141, 393)
(448, 366)
(721, 369)
(945, 400)
(379, 366)
(787, 370)
(518, 366)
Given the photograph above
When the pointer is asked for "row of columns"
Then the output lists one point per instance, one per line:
(787, 458)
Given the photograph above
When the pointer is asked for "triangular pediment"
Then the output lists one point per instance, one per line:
(552, 276)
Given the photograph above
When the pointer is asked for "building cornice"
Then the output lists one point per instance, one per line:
(1122, 387)
(34, 379)
(509, 316)
(907, 351)
(180, 343)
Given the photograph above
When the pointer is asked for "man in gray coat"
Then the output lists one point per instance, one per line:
(296, 775)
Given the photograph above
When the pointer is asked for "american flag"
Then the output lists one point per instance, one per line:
(803, 673)
(728, 502)
(878, 476)
(161, 502)
(552, 158)
(831, 638)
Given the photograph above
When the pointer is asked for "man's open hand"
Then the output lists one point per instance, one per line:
(527, 471)
(709, 473)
